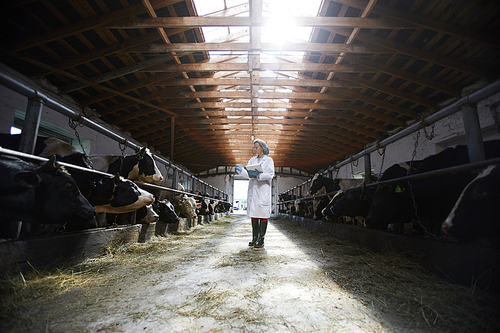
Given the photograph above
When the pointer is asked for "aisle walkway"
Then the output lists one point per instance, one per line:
(229, 286)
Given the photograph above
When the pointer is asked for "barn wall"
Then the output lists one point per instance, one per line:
(100, 143)
(286, 182)
(280, 184)
(221, 182)
(447, 132)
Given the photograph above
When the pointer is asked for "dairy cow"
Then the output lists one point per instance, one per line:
(147, 214)
(322, 185)
(44, 194)
(354, 202)
(144, 215)
(205, 208)
(186, 207)
(139, 167)
(475, 213)
(166, 211)
(108, 195)
(431, 199)
(289, 207)
(304, 208)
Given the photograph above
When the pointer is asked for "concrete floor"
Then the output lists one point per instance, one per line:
(210, 280)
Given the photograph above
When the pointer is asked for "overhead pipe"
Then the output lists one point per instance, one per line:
(472, 98)
(439, 172)
(22, 85)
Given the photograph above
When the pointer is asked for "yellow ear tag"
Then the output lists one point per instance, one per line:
(399, 189)
(363, 197)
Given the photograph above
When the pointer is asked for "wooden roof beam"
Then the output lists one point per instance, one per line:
(88, 24)
(204, 21)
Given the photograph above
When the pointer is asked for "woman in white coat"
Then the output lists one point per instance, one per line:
(259, 191)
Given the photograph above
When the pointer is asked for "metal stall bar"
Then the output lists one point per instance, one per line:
(472, 98)
(22, 85)
(441, 114)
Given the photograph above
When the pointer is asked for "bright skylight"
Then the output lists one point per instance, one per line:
(281, 31)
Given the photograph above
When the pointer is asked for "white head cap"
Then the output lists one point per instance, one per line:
(263, 145)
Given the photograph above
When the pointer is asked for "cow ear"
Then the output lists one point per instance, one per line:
(364, 188)
(30, 179)
(51, 165)
(198, 205)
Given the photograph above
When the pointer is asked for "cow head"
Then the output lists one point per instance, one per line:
(148, 171)
(187, 206)
(140, 167)
(56, 196)
(390, 204)
(146, 214)
(317, 186)
(118, 195)
(166, 211)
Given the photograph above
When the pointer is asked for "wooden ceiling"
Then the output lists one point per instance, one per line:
(370, 68)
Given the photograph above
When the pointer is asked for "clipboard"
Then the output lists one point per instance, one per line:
(253, 167)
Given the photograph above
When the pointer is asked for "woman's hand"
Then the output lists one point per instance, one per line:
(253, 173)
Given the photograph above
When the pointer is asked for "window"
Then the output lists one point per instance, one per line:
(48, 129)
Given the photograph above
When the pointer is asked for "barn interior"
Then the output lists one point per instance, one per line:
(195, 81)
(324, 83)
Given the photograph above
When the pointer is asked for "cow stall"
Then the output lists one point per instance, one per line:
(467, 151)
(90, 136)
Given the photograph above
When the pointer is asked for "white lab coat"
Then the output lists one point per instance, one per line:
(259, 189)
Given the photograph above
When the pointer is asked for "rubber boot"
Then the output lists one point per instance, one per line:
(262, 233)
(255, 232)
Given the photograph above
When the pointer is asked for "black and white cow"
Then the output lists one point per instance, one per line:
(166, 211)
(140, 167)
(144, 215)
(147, 214)
(322, 185)
(108, 195)
(289, 208)
(203, 199)
(475, 213)
(118, 195)
(429, 199)
(44, 194)
(304, 208)
(354, 202)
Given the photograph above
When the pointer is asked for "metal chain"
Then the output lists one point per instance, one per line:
(74, 125)
(382, 162)
(431, 135)
(408, 173)
(122, 148)
(415, 146)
